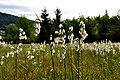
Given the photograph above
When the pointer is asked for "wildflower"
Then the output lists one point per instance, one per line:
(60, 26)
(17, 51)
(82, 31)
(64, 36)
(11, 53)
(82, 23)
(47, 53)
(1, 62)
(56, 32)
(37, 28)
(3, 43)
(83, 34)
(35, 34)
(20, 49)
(63, 40)
(28, 52)
(22, 34)
(64, 52)
(7, 55)
(20, 29)
(63, 56)
(60, 31)
(113, 51)
(2, 57)
(30, 57)
(50, 37)
(33, 50)
(12, 48)
(34, 63)
(71, 28)
(37, 31)
(25, 37)
(51, 69)
(63, 46)
(53, 51)
(77, 47)
(61, 37)
(63, 31)
(19, 44)
(58, 40)
(0, 37)
(71, 38)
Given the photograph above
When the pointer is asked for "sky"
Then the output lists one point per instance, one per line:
(69, 8)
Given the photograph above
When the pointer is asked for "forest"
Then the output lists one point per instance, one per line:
(97, 27)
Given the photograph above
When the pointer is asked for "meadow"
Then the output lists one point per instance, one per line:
(58, 60)
(96, 61)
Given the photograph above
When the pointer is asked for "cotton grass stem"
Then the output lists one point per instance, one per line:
(16, 66)
(53, 71)
(65, 68)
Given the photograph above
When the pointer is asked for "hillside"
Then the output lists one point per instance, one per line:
(6, 19)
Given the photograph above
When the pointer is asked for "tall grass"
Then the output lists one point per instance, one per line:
(47, 66)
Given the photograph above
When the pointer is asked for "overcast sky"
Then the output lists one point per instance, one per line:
(69, 8)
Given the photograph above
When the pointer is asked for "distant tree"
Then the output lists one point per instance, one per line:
(75, 23)
(12, 33)
(45, 27)
(114, 20)
(91, 28)
(98, 27)
(103, 29)
(58, 17)
(28, 27)
(54, 24)
(52, 27)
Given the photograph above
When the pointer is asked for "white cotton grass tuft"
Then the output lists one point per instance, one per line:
(71, 28)
(30, 57)
(50, 37)
(82, 31)
(0, 37)
(28, 52)
(37, 28)
(58, 40)
(53, 51)
(61, 37)
(1, 62)
(22, 34)
(56, 32)
(60, 26)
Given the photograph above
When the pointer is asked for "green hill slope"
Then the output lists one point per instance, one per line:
(6, 19)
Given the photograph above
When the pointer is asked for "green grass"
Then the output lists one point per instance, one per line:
(92, 66)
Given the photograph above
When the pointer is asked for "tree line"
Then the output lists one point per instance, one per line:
(98, 27)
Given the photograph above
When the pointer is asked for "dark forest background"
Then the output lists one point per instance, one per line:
(98, 27)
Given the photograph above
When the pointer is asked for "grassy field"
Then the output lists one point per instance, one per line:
(89, 61)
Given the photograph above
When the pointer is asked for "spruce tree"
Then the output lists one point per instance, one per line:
(45, 30)
(58, 16)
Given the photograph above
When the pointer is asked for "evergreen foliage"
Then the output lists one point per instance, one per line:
(98, 27)
(45, 27)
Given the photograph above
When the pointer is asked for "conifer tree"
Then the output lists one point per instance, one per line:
(45, 30)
